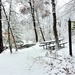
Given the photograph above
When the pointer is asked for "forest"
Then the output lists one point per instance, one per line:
(37, 37)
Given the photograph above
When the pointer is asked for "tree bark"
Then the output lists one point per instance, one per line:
(10, 45)
(70, 39)
(1, 41)
(10, 29)
(33, 17)
(39, 25)
(14, 40)
(54, 23)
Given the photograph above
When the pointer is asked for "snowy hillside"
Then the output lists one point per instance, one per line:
(37, 61)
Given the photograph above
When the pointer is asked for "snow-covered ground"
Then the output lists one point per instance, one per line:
(37, 61)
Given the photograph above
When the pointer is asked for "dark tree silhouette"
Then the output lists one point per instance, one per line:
(37, 17)
(9, 29)
(31, 2)
(70, 42)
(1, 41)
(54, 23)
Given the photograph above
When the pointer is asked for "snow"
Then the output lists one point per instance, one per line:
(37, 61)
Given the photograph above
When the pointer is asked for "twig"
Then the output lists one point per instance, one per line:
(49, 57)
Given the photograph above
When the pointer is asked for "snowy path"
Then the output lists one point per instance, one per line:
(25, 62)
(20, 63)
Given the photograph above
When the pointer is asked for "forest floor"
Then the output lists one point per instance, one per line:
(37, 61)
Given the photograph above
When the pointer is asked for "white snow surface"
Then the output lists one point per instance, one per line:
(37, 61)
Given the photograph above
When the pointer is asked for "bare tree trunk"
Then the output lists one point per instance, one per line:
(10, 28)
(10, 45)
(70, 37)
(14, 39)
(54, 24)
(33, 17)
(1, 41)
(39, 25)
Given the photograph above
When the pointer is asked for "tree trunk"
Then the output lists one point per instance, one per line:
(54, 23)
(10, 29)
(70, 39)
(1, 41)
(33, 17)
(14, 40)
(10, 45)
(39, 25)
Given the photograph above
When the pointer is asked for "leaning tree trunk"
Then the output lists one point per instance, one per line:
(54, 24)
(14, 40)
(33, 17)
(10, 28)
(39, 25)
(1, 41)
